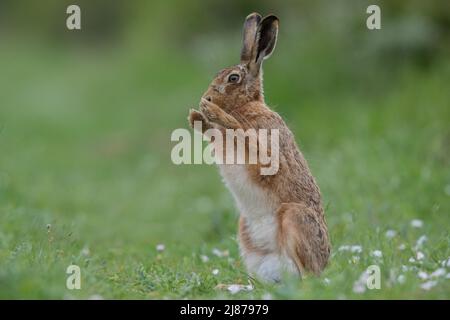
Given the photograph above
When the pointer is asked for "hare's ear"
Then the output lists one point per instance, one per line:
(249, 36)
(266, 39)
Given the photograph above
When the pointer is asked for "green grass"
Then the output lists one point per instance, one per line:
(86, 177)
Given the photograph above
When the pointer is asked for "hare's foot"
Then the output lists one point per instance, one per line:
(216, 115)
(266, 264)
(303, 236)
(268, 268)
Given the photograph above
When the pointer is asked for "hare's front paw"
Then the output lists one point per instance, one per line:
(218, 116)
(195, 115)
(211, 111)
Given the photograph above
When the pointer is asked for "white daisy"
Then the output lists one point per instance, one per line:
(360, 285)
(420, 255)
(428, 285)
(356, 249)
(377, 254)
(390, 234)
(423, 275)
(219, 253)
(421, 241)
(416, 223)
(438, 273)
(267, 296)
(235, 288)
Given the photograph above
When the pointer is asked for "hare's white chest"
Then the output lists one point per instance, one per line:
(254, 204)
(252, 200)
(259, 210)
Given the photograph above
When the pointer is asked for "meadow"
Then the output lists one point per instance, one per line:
(86, 176)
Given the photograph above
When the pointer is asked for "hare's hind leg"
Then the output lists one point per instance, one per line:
(303, 236)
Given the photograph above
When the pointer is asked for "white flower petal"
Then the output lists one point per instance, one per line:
(416, 223)
(428, 285)
(359, 288)
(421, 241)
(85, 251)
(235, 288)
(354, 259)
(420, 255)
(219, 253)
(390, 234)
(351, 248)
(377, 254)
(438, 273)
(360, 285)
(356, 249)
(267, 296)
(423, 275)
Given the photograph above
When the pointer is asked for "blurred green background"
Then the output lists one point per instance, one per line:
(85, 124)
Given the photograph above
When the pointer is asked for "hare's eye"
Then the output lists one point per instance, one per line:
(233, 78)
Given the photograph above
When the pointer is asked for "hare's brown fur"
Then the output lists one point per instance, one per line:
(282, 225)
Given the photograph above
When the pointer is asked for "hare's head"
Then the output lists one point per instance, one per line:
(242, 83)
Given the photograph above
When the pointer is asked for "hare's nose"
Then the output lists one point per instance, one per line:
(208, 98)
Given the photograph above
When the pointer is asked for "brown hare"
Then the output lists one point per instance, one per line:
(282, 227)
